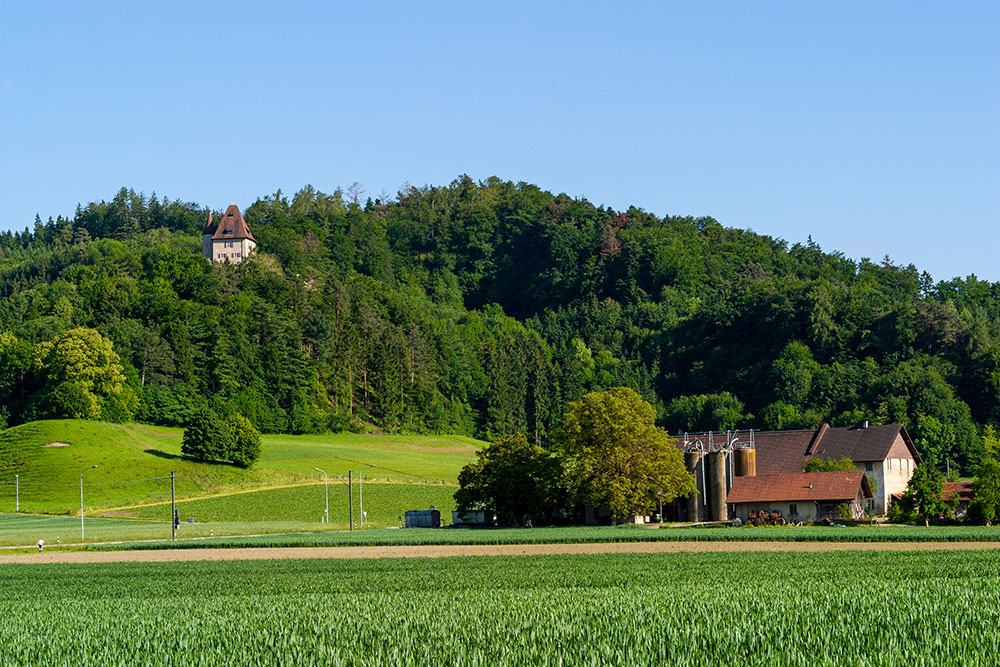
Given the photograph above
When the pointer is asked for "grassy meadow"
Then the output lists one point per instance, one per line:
(889, 608)
(305, 503)
(49, 456)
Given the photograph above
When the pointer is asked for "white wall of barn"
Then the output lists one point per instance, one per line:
(891, 475)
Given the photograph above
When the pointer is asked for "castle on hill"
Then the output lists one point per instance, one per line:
(228, 241)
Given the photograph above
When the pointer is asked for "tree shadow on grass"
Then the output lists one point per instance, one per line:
(184, 457)
(167, 455)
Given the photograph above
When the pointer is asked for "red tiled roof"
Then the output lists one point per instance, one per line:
(818, 486)
(961, 490)
(232, 226)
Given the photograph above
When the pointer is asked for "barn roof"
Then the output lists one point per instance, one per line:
(871, 443)
(960, 490)
(804, 486)
(232, 226)
(780, 452)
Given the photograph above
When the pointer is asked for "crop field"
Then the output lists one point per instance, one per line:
(384, 504)
(591, 534)
(886, 608)
(23, 529)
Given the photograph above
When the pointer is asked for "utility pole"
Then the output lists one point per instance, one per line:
(173, 509)
(350, 500)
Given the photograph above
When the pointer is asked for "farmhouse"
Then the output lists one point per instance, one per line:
(885, 454)
(228, 241)
(807, 496)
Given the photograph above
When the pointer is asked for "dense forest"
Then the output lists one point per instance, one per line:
(482, 309)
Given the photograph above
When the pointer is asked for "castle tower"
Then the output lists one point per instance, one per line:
(228, 241)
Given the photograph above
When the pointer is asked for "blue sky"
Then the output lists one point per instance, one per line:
(870, 126)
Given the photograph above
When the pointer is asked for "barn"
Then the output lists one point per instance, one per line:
(807, 496)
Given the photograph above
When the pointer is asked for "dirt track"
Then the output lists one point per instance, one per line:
(170, 555)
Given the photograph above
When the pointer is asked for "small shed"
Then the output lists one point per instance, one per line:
(423, 518)
(468, 517)
(808, 496)
(959, 493)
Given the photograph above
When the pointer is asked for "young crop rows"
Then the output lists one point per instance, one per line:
(689, 609)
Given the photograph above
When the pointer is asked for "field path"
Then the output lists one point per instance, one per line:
(445, 551)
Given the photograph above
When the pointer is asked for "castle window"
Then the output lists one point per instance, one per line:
(228, 232)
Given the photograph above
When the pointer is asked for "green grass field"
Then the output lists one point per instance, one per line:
(589, 534)
(129, 456)
(384, 504)
(892, 608)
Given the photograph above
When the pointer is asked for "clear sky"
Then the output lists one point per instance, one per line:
(871, 126)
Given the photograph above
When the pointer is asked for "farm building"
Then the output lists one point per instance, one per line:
(423, 518)
(807, 496)
(959, 493)
(885, 453)
(469, 518)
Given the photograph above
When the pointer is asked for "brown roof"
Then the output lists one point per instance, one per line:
(805, 486)
(209, 227)
(961, 490)
(232, 226)
(861, 444)
(783, 451)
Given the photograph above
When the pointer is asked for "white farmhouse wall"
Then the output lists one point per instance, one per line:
(891, 475)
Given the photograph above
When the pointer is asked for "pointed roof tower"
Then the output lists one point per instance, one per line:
(209, 227)
(232, 226)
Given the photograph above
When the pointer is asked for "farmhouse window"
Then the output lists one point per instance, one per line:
(793, 510)
(870, 505)
(868, 466)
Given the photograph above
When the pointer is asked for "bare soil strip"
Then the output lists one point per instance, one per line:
(446, 551)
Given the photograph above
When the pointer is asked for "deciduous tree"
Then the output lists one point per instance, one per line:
(618, 456)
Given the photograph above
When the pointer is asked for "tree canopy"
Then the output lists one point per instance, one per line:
(828, 465)
(923, 498)
(512, 478)
(617, 457)
(486, 308)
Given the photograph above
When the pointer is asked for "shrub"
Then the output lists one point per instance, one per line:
(245, 443)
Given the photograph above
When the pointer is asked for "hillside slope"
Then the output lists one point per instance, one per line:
(484, 309)
(49, 456)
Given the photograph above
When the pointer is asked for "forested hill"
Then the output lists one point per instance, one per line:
(482, 308)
